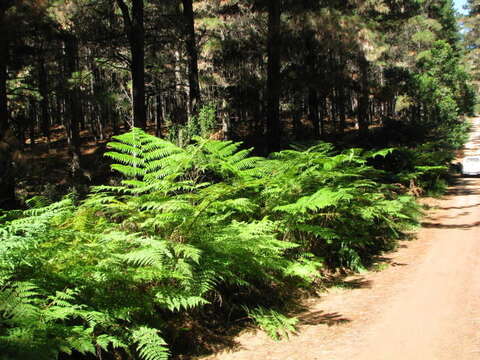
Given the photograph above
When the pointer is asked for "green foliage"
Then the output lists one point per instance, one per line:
(429, 128)
(35, 326)
(423, 169)
(185, 227)
(203, 125)
(333, 206)
(442, 87)
(275, 324)
(150, 346)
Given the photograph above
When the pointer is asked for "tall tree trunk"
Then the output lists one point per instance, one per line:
(73, 101)
(7, 139)
(44, 103)
(8, 147)
(178, 111)
(192, 58)
(158, 115)
(297, 115)
(312, 86)
(313, 110)
(135, 31)
(323, 112)
(341, 106)
(137, 44)
(363, 101)
(273, 77)
(3, 71)
(33, 122)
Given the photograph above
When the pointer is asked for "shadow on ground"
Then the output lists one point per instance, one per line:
(432, 225)
(322, 318)
(343, 283)
(458, 207)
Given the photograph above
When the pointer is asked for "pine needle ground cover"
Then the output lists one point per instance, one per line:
(122, 271)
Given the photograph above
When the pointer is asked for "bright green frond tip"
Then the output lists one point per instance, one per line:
(150, 345)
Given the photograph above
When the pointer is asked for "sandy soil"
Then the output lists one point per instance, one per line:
(425, 305)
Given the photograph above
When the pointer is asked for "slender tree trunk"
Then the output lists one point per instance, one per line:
(3, 72)
(323, 114)
(97, 109)
(192, 58)
(363, 101)
(73, 101)
(273, 77)
(341, 107)
(137, 44)
(7, 139)
(158, 115)
(179, 115)
(135, 30)
(297, 115)
(312, 86)
(44, 102)
(313, 110)
(112, 111)
(32, 122)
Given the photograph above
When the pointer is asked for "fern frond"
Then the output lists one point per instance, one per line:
(272, 322)
(104, 341)
(129, 171)
(150, 345)
(176, 302)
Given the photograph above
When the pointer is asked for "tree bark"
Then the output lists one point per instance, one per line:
(313, 110)
(192, 58)
(3, 71)
(33, 122)
(158, 115)
(273, 132)
(137, 44)
(8, 147)
(363, 101)
(73, 101)
(3, 88)
(8, 141)
(44, 102)
(341, 106)
(297, 116)
(312, 87)
(135, 31)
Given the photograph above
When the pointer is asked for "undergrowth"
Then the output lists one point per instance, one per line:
(275, 324)
(186, 228)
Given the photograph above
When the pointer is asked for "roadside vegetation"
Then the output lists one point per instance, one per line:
(186, 228)
(237, 188)
(198, 229)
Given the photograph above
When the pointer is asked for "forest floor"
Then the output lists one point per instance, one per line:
(46, 170)
(423, 304)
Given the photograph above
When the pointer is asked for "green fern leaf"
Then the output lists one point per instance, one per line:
(150, 345)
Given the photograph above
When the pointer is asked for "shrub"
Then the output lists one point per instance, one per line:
(183, 227)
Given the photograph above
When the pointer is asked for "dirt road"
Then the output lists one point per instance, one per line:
(425, 305)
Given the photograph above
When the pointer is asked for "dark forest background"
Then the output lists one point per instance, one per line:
(73, 73)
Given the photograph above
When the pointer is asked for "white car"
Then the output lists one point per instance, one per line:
(471, 165)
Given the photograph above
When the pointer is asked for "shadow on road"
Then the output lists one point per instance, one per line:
(341, 282)
(320, 317)
(437, 217)
(449, 226)
(463, 191)
(458, 207)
